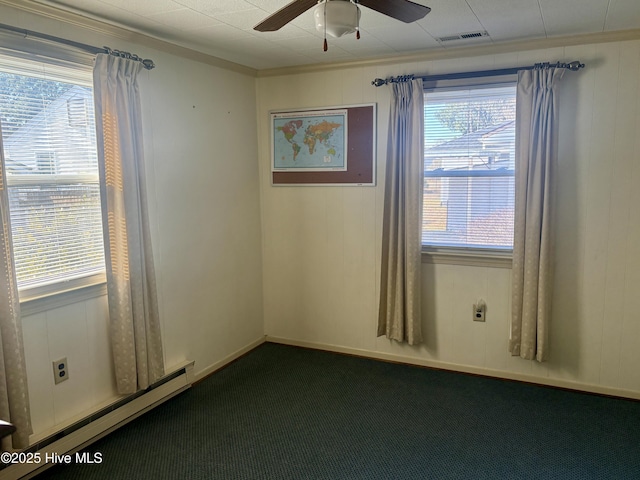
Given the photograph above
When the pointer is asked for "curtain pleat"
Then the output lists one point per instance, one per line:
(399, 316)
(14, 395)
(536, 158)
(133, 306)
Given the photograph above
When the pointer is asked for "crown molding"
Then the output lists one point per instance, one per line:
(460, 52)
(95, 25)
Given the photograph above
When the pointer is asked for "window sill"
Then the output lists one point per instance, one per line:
(39, 304)
(467, 257)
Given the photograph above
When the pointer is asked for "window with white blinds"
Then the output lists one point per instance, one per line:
(49, 143)
(469, 154)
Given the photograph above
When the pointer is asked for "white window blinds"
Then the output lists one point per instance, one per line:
(469, 167)
(48, 133)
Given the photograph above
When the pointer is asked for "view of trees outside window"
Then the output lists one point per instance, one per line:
(469, 168)
(49, 146)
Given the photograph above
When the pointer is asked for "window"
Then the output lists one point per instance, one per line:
(48, 136)
(469, 160)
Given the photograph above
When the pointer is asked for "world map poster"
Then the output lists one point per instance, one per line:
(310, 140)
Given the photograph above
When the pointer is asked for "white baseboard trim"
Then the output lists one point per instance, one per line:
(202, 374)
(488, 372)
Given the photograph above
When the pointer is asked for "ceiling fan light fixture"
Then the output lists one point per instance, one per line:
(336, 17)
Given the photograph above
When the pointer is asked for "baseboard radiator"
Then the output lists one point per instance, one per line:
(86, 431)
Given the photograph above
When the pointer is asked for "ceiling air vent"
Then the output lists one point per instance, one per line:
(474, 35)
(462, 36)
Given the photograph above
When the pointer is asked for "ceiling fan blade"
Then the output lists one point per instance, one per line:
(402, 10)
(284, 15)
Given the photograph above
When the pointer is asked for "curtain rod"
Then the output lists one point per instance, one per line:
(573, 66)
(146, 63)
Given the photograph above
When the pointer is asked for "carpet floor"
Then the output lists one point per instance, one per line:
(283, 412)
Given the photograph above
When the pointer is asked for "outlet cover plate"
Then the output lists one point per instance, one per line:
(60, 370)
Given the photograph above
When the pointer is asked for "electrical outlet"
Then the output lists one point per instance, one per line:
(60, 370)
(478, 311)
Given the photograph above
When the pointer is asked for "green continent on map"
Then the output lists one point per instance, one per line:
(320, 132)
(296, 150)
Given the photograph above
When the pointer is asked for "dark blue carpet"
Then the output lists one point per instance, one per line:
(289, 413)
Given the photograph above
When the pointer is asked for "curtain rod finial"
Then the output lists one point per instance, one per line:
(575, 66)
(378, 82)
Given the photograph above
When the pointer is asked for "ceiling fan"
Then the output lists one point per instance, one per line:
(340, 17)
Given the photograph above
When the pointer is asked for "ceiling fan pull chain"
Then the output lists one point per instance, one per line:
(325, 46)
(355, 3)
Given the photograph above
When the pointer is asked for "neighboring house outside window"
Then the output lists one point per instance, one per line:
(78, 111)
(49, 142)
(469, 168)
(46, 162)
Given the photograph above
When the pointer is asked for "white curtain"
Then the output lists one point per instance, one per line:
(133, 306)
(536, 158)
(14, 396)
(399, 315)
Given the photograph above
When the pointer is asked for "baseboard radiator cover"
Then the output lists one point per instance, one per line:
(92, 428)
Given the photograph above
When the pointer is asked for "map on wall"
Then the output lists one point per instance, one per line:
(310, 140)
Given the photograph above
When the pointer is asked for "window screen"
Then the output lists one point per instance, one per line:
(49, 142)
(469, 167)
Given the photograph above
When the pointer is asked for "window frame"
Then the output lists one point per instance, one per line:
(55, 293)
(481, 256)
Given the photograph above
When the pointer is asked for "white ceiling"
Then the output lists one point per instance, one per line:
(224, 28)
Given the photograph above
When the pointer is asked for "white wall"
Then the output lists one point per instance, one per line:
(80, 333)
(321, 245)
(201, 149)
